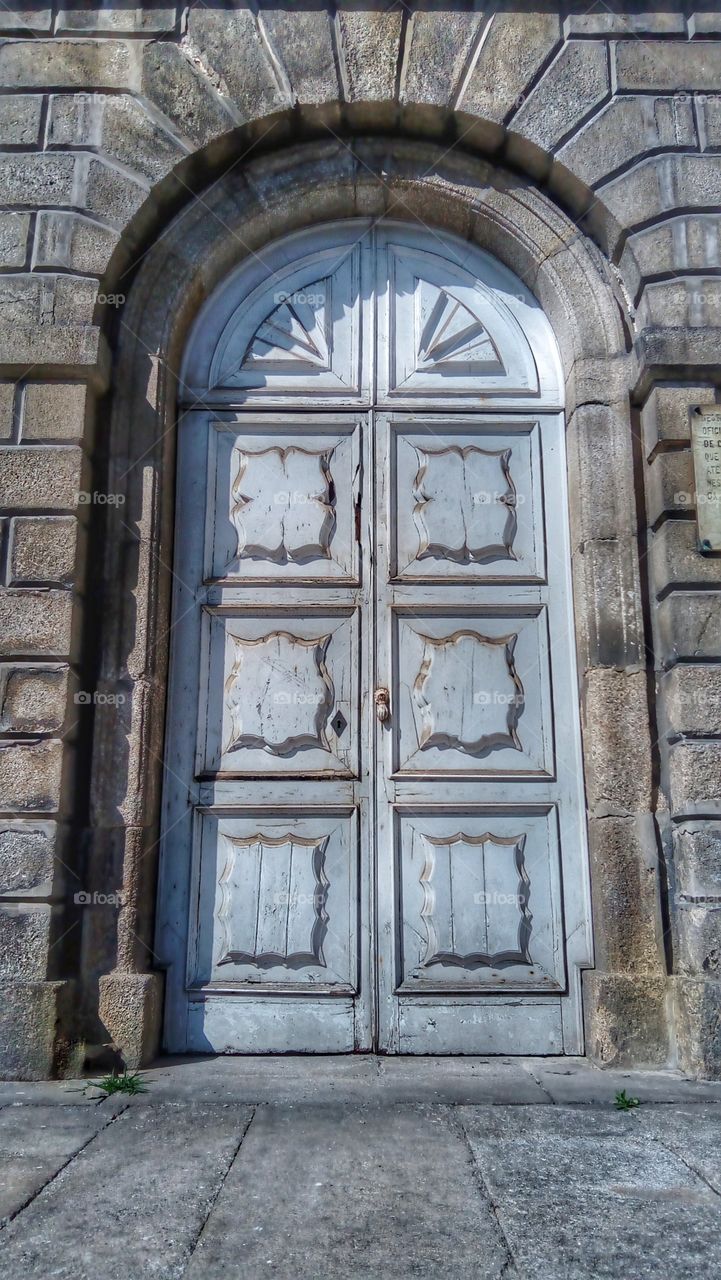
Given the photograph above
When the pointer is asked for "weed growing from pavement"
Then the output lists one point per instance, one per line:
(623, 1102)
(125, 1083)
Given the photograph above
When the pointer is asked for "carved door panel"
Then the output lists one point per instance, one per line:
(480, 789)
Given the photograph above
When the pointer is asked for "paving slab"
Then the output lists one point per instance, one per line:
(693, 1133)
(352, 1192)
(35, 1143)
(581, 1193)
(133, 1202)
(567, 1080)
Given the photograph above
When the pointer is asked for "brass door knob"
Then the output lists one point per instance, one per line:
(382, 699)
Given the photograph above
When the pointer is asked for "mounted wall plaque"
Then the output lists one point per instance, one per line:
(706, 445)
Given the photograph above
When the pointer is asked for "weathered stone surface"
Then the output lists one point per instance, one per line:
(665, 415)
(72, 241)
(653, 64)
(147, 1169)
(227, 45)
(689, 626)
(628, 929)
(20, 119)
(24, 941)
(32, 699)
(697, 861)
(32, 346)
(35, 623)
(27, 857)
(677, 244)
(69, 64)
(37, 179)
(576, 81)
(178, 85)
(140, 19)
(675, 559)
(609, 620)
(656, 185)
(23, 19)
(616, 742)
(29, 1014)
(438, 45)
(131, 1009)
(111, 193)
(681, 302)
(692, 696)
(670, 485)
(304, 44)
(601, 496)
(14, 229)
(698, 1010)
(626, 1019)
(694, 772)
(7, 409)
(371, 1164)
(54, 411)
(119, 127)
(646, 20)
(30, 776)
(512, 53)
(40, 479)
(43, 550)
(624, 130)
(698, 940)
(370, 44)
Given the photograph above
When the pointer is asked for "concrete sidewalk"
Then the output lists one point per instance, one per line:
(363, 1167)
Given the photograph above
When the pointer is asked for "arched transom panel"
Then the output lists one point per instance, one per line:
(306, 318)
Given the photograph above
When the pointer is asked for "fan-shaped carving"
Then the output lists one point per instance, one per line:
(453, 333)
(295, 332)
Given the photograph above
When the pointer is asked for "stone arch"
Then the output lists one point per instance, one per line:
(269, 197)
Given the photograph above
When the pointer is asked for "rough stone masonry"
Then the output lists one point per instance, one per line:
(585, 137)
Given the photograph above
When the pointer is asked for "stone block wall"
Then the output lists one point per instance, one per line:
(113, 120)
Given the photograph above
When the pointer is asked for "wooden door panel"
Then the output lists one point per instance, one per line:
(467, 505)
(472, 693)
(283, 502)
(283, 693)
(479, 901)
(277, 902)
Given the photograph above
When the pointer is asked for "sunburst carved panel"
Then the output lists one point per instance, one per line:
(450, 332)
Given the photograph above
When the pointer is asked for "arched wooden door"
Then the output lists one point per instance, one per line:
(373, 818)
